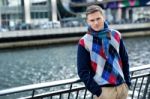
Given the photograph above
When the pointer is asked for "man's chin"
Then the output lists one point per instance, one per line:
(97, 29)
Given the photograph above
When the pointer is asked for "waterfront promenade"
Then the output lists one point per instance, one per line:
(61, 35)
(71, 30)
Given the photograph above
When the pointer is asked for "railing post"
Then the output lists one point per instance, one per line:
(60, 96)
(77, 94)
(70, 92)
(149, 95)
(146, 88)
(140, 87)
(33, 93)
(134, 88)
(92, 96)
(85, 94)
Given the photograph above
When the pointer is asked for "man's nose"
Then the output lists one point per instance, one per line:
(95, 22)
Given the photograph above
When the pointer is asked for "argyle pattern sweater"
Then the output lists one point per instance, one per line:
(102, 62)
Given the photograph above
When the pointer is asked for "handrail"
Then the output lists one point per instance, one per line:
(54, 93)
(38, 86)
(139, 68)
(35, 87)
(141, 75)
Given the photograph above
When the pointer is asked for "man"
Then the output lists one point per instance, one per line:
(102, 60)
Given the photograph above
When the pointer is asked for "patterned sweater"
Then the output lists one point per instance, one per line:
(102, 62)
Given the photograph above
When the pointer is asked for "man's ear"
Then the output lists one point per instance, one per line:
(88, 24)
(104, 17)
(87, 21)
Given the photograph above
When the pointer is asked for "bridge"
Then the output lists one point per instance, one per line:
(75, 89)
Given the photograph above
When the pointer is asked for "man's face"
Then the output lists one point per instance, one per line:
(96, 21)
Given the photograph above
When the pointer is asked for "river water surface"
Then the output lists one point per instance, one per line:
(24, 66)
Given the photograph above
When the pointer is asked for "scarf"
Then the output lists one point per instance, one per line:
(103, 46)
(104, 35)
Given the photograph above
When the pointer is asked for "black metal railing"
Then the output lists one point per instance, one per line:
(75, 89)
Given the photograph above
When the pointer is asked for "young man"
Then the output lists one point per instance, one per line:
(102, 60)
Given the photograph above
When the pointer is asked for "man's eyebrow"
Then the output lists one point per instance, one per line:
(92, 19)
(95, 18)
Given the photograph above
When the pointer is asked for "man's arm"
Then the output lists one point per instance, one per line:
(84, 72)
(125, 63)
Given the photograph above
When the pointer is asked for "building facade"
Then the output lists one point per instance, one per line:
(14, 12)
(24, 11)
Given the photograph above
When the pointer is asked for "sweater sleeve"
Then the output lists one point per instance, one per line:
(125, 63)
(84, 71)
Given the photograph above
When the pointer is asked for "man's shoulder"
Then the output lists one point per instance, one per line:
(86, 36)
(115, 32)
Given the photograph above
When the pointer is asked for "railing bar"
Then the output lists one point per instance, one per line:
(92, 96)
(69, 91)
(132, 73)
(149, 95)
(134, 88)
(60, 96)
(51, 97)
(140, 87)
(77, 94)
(140, 68)
(148, 92)
(38, 86)
(33, 93)
(141, 75)
(146, 87)
(54, 93)
(85, 94)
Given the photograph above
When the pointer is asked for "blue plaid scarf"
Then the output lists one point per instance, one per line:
(105, 49)
(103, 34)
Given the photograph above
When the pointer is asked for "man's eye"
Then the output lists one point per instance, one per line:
(98, 19)
(92, 20)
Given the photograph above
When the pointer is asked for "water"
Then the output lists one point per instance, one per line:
(24, 66)
(138, 50)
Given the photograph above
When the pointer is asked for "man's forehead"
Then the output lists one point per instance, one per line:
(94, 15)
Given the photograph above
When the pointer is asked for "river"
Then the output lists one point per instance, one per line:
(22, 66)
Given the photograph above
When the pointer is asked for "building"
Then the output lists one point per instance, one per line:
(27, 11)
(13, 12)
